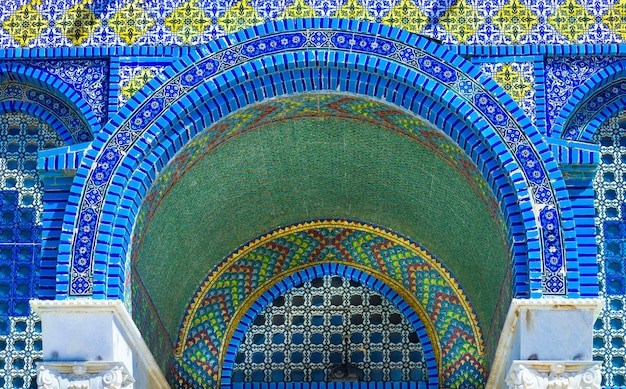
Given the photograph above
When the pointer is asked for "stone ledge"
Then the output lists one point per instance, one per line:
(554, 375)
(91, 375)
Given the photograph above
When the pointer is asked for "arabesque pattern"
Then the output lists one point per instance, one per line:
(52, 23)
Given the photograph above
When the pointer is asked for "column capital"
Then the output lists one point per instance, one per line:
(554, 375)
(83, 375)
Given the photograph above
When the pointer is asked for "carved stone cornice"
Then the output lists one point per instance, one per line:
(83, 375)
(554, 375)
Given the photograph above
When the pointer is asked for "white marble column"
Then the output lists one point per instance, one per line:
(547, 344)
(91, 344)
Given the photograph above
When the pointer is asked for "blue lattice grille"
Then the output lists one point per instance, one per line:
(610, 203)
(21, 137)
(306, 335)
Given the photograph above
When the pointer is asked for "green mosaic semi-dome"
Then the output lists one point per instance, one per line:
(309, 157)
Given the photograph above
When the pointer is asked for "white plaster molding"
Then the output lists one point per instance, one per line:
(83, 375)
(145, 369)
(508, 345)
(554, 375)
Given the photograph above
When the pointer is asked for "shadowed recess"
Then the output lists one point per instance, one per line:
(315, 156)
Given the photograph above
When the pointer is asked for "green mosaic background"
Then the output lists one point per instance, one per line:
(317, 164)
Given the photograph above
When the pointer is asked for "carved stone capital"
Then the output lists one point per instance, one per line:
(554, 375)
(83, 375)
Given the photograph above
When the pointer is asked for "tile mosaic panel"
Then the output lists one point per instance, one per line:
(21, 192)
(315, 329)
(580, 119)
(563, 75)
(518, 79)
(133, 78)
(610, 188)
(90, 78)
(52, 23)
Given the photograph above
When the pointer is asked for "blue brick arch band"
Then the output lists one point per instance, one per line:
(597, 99)
(310, 55)
(320, 270)
(44, 95)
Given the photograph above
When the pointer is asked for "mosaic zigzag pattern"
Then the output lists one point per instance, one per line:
(237, 282)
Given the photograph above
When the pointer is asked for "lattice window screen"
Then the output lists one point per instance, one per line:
(305, 335)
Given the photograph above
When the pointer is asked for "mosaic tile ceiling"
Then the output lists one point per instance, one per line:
(55, 23)
(316, 157)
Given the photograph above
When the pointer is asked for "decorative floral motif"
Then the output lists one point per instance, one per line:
(552, 249)
(131, 22)
(563, 75)
(615, 18)
(26, 23)
(273, 44)
(352, 9)
(571, 20)
(239, 16)
(78, 23)
(87, 77)
(187, 21)
(363, 43)
(462, 20)
(491, 109)
(440, 71)
(515, 20)
(193, 76)
(530, 163)
(407, 16)
(149, 111)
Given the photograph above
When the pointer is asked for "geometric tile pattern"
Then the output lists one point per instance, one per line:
(571, 20)
(54, 23)
(131, 22)
(610, 204)
(26, 23)
(88, 77)
(20, 348)
(317, 327)
(78, 23)
(133, 78)
(563, 75)
(187, 21)
(515, 20)
(406, 16)
(518, 79)
(462, 20)
(242, 15)
(233, 287)
(615, 18)
(21, 206)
